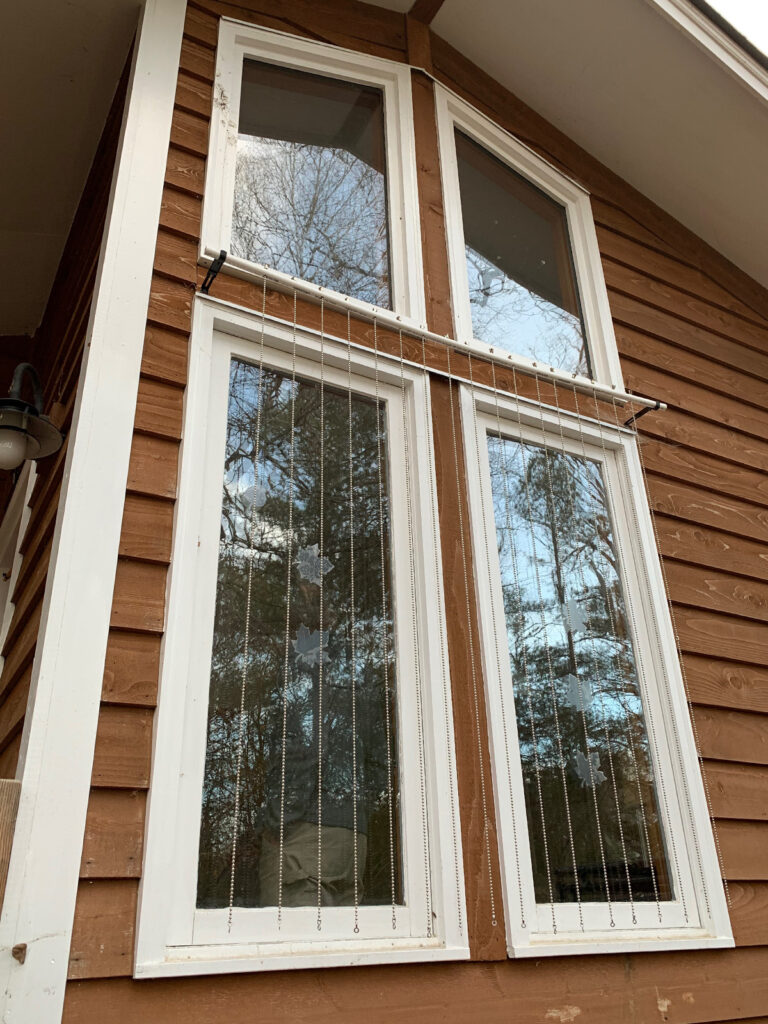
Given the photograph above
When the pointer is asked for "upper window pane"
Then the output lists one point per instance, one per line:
(311, 758)
(522, 285)
(310, 180)
(593, 816)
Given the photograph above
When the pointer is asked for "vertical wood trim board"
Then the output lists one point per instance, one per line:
(68, 668)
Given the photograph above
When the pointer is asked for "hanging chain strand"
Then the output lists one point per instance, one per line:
(689, 702)
(415, 633)
(247, 627)
(470, 637)
(642, 675)
(548, 655)
(352, 628)
(385, 630)
(441, 630)
(495, 630)
(593, 650)
(321, 665)
(621, 674)
(552, 507)
(523, 651)
(287, 647)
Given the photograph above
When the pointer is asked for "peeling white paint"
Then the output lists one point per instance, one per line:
(564, 1014)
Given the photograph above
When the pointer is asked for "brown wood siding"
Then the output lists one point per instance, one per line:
(691, 329)
(56, 351)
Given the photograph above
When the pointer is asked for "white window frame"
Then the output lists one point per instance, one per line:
(173, 937)
(674, 757)
(239, 41)
(452, 114)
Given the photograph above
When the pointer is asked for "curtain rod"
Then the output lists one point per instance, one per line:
(246, 271)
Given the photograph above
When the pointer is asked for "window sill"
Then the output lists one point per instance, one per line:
(183, 961)
(650, 941)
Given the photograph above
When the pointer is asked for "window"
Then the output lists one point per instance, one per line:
(605, 838)
(525, 268)
(304, 730)
(312, 168)
(522, 288)
(605, 834)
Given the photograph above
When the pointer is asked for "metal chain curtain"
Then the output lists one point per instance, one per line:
(303, 736)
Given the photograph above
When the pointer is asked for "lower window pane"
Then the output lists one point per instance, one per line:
(315, 747)
(591, 801)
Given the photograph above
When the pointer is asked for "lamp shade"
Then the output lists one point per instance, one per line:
(13, 447)
(24, 432)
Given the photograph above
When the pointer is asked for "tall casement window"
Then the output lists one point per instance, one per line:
(605, 837)
(304, 807)
(312, 172)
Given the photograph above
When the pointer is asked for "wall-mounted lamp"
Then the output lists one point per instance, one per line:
(24, 432)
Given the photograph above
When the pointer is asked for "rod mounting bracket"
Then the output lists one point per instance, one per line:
(213, 271)
(636, 416)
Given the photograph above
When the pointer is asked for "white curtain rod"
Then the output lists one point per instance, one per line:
(236, 267)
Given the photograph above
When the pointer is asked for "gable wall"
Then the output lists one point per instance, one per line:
(692, 331)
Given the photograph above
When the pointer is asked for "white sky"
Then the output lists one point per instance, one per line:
(750, 17)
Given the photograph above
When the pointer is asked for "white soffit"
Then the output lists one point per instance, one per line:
(637, 90)
(60, 65)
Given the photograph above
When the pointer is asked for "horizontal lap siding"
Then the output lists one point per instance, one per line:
(56, 351)
(691, 330)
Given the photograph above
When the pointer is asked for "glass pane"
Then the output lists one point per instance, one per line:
(310, 180)
(315, 709)
(522, 286)
(575, 681)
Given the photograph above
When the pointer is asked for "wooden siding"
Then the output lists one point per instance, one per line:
(693, 330)
(56, 351)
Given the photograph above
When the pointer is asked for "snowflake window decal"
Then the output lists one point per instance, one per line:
(574, 616)
(588, 769)
(579, 692)
(254, 496)
(311, 566)
(310, 646)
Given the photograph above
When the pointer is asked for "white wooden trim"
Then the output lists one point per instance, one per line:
(238, 41)
(194, 960)
(453, 113)
(172, 937)
(661, 685)
(69, 661)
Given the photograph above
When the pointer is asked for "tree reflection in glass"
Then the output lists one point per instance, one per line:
(306, 729)
(574, 674)
(522, 284)
(310, 180)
